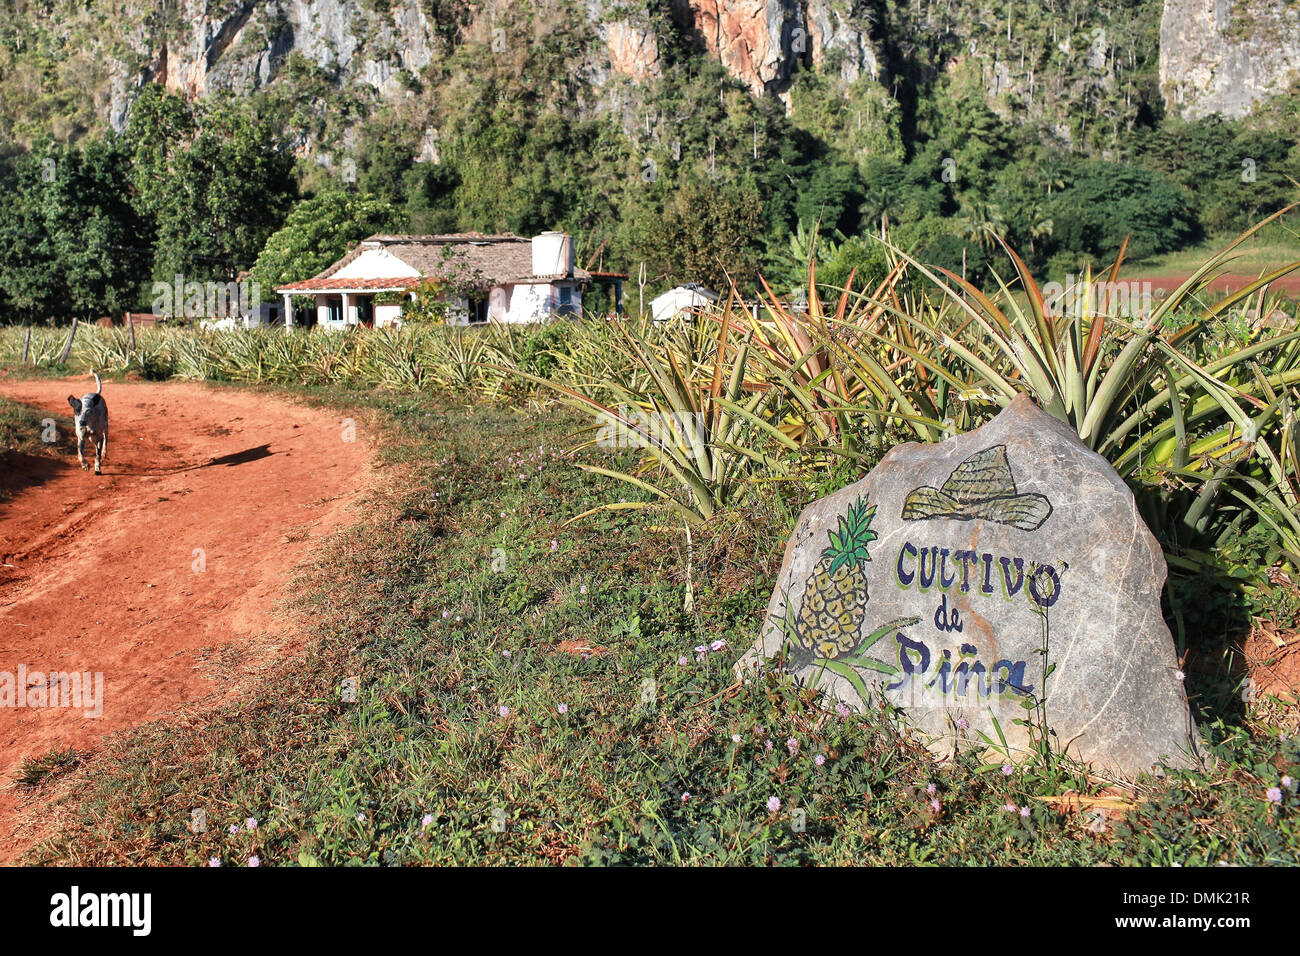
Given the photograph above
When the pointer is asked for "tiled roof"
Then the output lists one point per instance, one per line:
(393, 284)
(498, 260)
(445, 237)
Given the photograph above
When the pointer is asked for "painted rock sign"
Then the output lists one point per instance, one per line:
(963, 580)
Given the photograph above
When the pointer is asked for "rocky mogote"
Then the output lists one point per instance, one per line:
(965, 580)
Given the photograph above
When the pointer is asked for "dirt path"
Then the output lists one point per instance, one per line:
(164, 570)
(1228, 282)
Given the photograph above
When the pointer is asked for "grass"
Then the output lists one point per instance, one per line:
(37, 771)
(462, 591)
(23, 432)
(1271, 250)
(21, 429)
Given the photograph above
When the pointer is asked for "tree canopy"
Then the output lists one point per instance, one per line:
(319, 231)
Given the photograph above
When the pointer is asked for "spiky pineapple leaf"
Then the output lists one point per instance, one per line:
(848, 542)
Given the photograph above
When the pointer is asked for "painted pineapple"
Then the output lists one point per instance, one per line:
(830, 616)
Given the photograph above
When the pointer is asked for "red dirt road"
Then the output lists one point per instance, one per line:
(104, 574)
(1228, 282)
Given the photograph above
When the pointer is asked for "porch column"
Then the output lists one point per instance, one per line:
(347, 304)
(288, 311)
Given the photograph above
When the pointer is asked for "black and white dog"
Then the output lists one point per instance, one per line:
(91, 418)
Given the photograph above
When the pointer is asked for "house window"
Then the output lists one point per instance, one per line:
(478, 311)
(566, 300)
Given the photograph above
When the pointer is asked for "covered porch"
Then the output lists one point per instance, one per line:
(350, 303)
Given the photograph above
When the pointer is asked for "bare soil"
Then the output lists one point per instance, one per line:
(167, 573)
(1228, 282)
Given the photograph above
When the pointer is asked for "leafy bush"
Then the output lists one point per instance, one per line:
(866, 261)
(1105, 203)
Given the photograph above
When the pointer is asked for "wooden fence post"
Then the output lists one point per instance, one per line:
(27, 345)
(67, 346)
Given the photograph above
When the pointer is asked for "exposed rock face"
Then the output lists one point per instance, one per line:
(963, 581)
(1216, 55)
(1221, 56)
(760, 42)
(633, 51)
(838, 43)
(200, 46)
(750, 37)
(241, 46)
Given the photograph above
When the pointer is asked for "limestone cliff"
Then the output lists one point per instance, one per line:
(197, 46)
(1223, 56)
(760, 42)
(70, 67)
(219, 44)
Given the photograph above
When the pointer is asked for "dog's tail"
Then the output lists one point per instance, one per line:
(99, 386)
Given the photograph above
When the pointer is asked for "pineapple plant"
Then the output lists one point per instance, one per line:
(830, 617)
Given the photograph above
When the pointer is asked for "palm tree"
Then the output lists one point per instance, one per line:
(808, 244)
(882, 198)
(983, 223)
(1038, 229)
(1037, 220)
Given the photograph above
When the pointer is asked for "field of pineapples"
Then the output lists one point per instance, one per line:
(575, 703)
(1194, 403)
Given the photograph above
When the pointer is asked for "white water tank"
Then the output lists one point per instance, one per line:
(553, 254)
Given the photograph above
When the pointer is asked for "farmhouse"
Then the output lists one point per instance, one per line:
(480, 279)
(681, 300)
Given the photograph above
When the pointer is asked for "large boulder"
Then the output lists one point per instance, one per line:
(965, 580)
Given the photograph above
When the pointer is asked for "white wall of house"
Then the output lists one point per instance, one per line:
(514, 304)
(531, 302)
(375, 264)
(499, 303)
(524, 302)
(384, 313)
(539, 301)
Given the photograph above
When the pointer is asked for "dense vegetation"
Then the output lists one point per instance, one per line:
(688, 173)
(542, 628)
(565, 706)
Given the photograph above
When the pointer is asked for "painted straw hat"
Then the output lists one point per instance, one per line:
(980, 487)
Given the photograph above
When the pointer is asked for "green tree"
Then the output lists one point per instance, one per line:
(93, 229)
(68, 232)
(319, 231)
(707, 232)
(215, 179)
(982, 223)
(1104, 202)
(959, 134)
(832, 196)
(864, 261)
(28, 271)
(894, 192)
